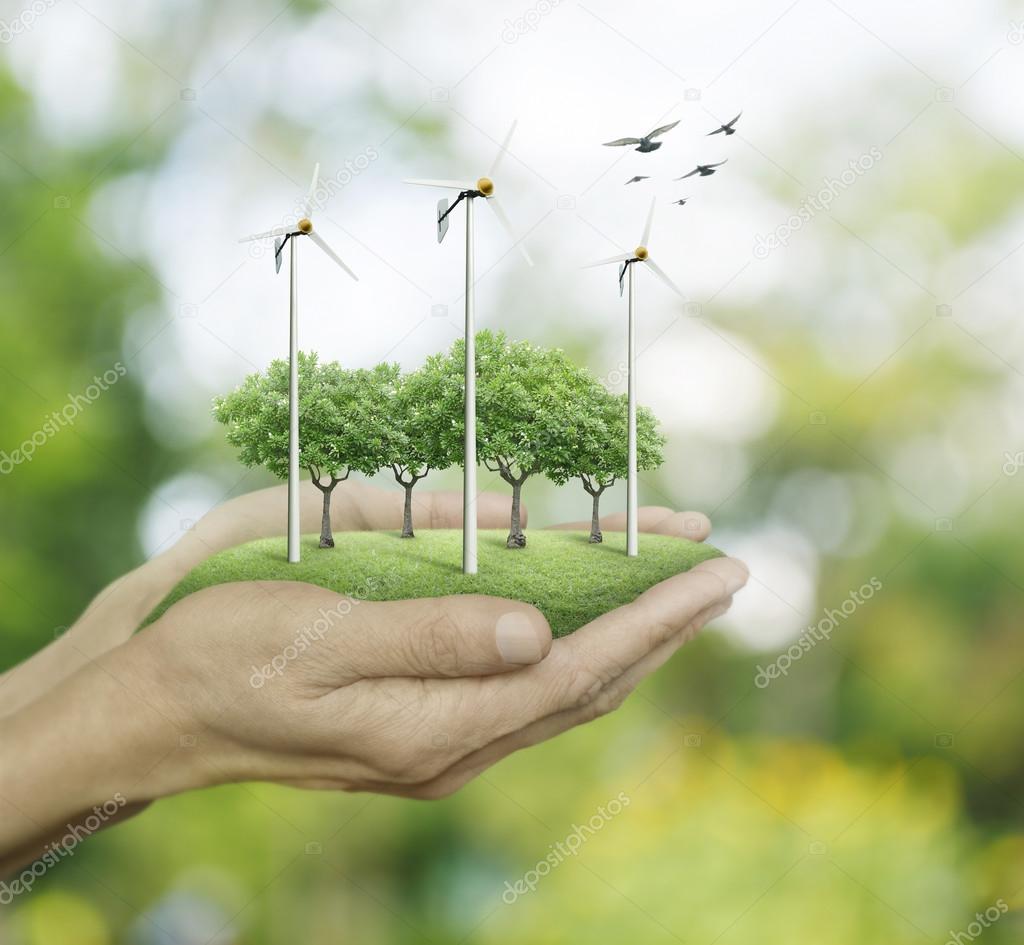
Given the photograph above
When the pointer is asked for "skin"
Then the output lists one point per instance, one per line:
(413, 698)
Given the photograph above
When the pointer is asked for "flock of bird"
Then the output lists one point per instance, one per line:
(646, 144)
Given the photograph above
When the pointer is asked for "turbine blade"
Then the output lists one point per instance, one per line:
(313, 184)
(622, 257)
(319, 240)
(451, 184)
(661, 274)
(506, 223)
(442, 220)
(500, 156)
(276, 231)
(647, 226)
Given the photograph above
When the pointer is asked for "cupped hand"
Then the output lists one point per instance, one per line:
(116, 611)
(293, 683)
(289, 682)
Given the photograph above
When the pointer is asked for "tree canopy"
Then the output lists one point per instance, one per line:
(339, 411)
(412, 426)
(537, 412)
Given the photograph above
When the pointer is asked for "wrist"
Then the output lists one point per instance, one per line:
(104, 739)
(110, 619)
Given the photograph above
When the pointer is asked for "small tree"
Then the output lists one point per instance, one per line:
(522, 420)
(333, 423)
(414, 428)
(599, 454)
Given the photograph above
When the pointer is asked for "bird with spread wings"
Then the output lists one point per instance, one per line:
(646, 143)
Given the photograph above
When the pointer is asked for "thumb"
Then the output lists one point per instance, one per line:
(462, 635)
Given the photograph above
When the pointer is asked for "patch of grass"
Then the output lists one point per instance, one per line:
(568, 579)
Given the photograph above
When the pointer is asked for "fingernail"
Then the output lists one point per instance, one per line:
(696, 523)
(517, 640)
(731, 571)
(739, 575)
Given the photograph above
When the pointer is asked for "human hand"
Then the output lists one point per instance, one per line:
(116, 612)
(408, 697)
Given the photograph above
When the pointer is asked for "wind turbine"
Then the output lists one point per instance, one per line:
(282, 235)
(469, 191)
(628, 263)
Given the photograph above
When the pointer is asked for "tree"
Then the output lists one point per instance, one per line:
(413, 428)
(523, 423)
(336, 424)
(598, 454)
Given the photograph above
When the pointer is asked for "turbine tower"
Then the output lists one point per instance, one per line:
(468, 192)
(628, 262)
(282, 235)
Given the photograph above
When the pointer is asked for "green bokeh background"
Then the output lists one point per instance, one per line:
(873, 794)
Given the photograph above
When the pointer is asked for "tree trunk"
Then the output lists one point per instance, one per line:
(516, 538)
(595, 521)
(407, 515)
(326, 535)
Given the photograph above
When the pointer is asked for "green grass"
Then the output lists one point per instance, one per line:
(568, 579)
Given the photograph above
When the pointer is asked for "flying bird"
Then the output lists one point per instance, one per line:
(728, 128)
(705, 170)
(681, 201)
(633, 180)
(646, 144)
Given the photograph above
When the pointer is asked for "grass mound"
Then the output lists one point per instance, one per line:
(568, 579)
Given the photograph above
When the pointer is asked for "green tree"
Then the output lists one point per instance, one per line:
(528, 404)
(336, 424)
(413, 425)
(525, 413)
(598, 452)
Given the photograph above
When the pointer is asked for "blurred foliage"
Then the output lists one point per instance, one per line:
(871, 795)
(67, 298)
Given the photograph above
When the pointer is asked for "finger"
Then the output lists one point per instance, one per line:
(580, 666)
(358, 505)
(619, 688)
(355, 506)
(647, 518)
(463, 635)
(605, 647)
(562, 720)
(493, 510)
(695, 526)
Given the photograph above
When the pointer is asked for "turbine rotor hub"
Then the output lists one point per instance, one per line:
(485, 186)
(305, 225)
(640, 252)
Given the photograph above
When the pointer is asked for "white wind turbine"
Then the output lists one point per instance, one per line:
(468, 191)
(628, 262)
(281, 235)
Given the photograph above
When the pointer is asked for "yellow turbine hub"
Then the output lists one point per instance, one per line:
(305, 225)
(486, 186)
(640, 252)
